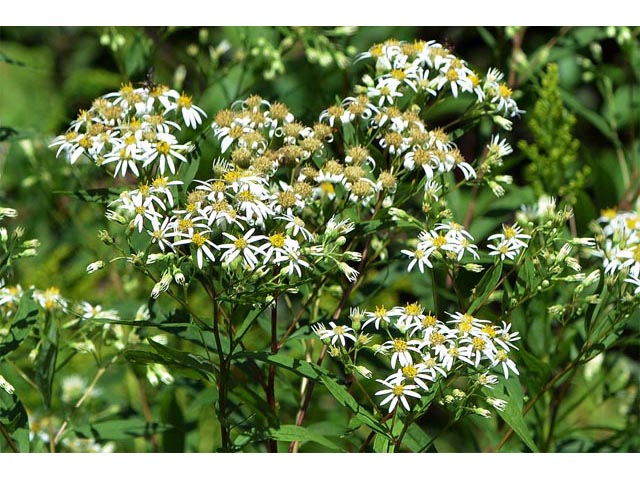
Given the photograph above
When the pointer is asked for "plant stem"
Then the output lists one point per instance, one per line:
(272, 445)
(222, 377)
(7, 437)
(82, 399)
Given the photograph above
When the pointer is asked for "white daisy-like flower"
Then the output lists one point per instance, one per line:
(164, 151)
(380, 315)
(336, 333)
(505, 249)
(397, 393)
(162, 232)
(88, 311)
(242, 246)
(503, 359)
(191, 114)
(401, 350)
(418, 256)
(204, 246)
(634, 281)
(417, 373)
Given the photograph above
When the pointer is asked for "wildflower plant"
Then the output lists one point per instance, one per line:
(51, 331)
(270, 254)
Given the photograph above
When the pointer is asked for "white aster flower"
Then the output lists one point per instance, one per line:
(397, 393)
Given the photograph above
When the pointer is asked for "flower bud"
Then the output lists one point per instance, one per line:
(115, 217)
(95, 266)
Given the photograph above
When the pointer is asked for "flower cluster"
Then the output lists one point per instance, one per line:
(423, 349)
(432, 69)
(133, 128)
(619, 245)
(447, 240)
(509, 243)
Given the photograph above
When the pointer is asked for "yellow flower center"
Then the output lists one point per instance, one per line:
(240, 243)
(163, 147)
(478, 343)
(409, 371)
(452, 75)
(505, 91)
(398, 74)
(184, 101)
(399, 345)
(429, 321)
(277, 240)
(160, 182)
(509, 232)
(246, 196)
(439, 241)
(413, 309)
(198, 239)
(398, 390)
(185, 224)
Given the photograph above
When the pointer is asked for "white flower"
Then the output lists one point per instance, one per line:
(335, 333)
(634, 281)
(242, 246)
(6, 386)
(401, 349)
(386, 91)
(161, 232)
(419, 256)
(376, 317)
(191, 114)
(397, 392)
(505, 249)
(507, 364)
(497, 403)
(417, 373)
(164, 151)
(202, 243)
(89, 311)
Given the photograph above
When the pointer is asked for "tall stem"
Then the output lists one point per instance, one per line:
(272, 445)
(222, 377)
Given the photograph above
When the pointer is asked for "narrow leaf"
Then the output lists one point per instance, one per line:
(345, 399)
(119, 429)
(486, 286)
(21, 324)
(292, 433)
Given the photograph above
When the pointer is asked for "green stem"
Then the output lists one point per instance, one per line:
(7, 437)
(271, 385)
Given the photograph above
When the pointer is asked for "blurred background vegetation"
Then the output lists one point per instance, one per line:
(48, 74)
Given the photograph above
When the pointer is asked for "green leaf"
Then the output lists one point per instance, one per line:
(488, 38)
(292, 433)
(174, 439)
(381, 443)
(21, 324)
(416, 439)
(119, 429)
(93, 195)
(15, 420)
(512, 413)
(301, 367)
(486, 286)
(538, 371)
(46, 361)
(589, 115)
(345, 399)
(188, 364)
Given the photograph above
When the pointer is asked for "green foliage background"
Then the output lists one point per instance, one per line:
(47, 74)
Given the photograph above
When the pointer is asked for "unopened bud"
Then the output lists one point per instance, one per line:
(115, 217)
(8, 212)
(95, 266)
(106, 238)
